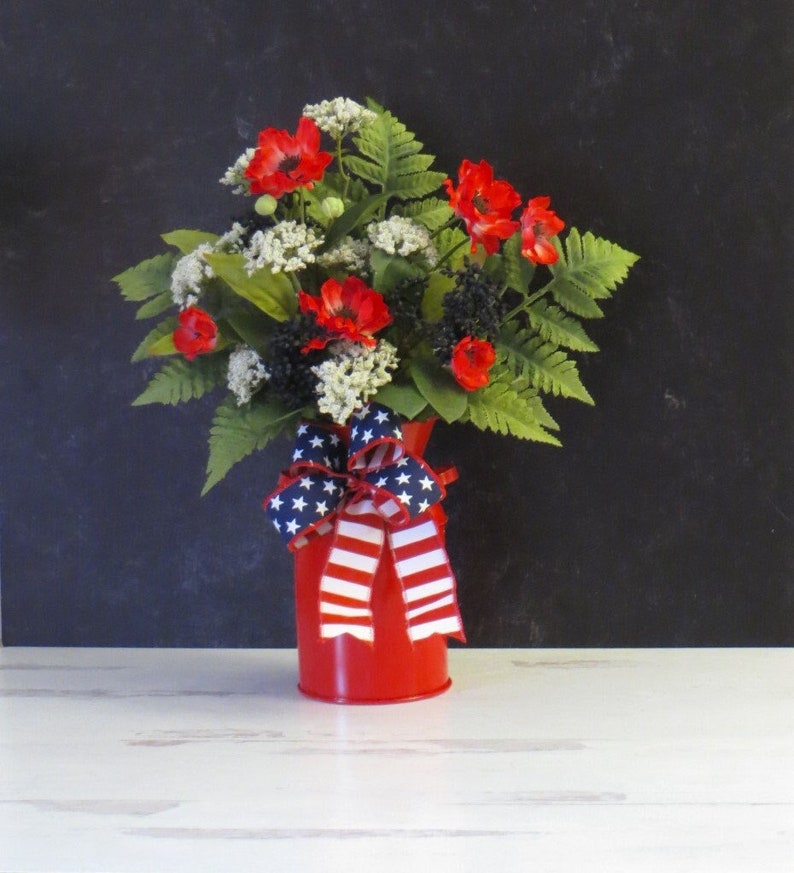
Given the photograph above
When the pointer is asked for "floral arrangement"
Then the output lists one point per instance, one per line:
(362, 274)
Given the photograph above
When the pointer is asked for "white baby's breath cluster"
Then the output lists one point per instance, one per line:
(287, 247)
(235, 175)
(189, 276)
(246, 373)
(349, 254)
(348, 379)
(401, 236)
(192, 271)
(339, 116)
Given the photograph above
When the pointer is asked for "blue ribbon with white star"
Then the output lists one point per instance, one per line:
(327, 475)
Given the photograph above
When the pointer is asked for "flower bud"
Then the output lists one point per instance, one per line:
(265, 205)
(332, 207)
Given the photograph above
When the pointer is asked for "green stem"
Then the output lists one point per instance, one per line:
(525, 304)
(450, 223)
(341, 162)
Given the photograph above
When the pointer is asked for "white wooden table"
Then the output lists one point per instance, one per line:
(120, 761)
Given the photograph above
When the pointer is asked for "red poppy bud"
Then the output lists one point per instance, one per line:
(471, 360)
(197, 333)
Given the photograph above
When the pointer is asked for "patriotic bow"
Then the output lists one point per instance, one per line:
(368, 493)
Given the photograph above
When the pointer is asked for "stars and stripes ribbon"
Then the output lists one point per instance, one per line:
(371, 494)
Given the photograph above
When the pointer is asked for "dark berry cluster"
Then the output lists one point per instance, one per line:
(474, 307)
(405, 303)
(291, 378)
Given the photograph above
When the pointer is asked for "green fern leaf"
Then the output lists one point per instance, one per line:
(237, 431)
(180, 380)
(589, 269)
(165, 328)
(554, 326)
(431, 212)
(542, 364)
(147, 279)
(393, 159)
(512, 409)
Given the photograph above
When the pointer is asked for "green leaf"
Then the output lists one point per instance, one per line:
(432, 303)
(554, 326)
(164, 329)
(589, 269)
(388, 270)
(541, 364)
(271, 292)
(156, 306)
(404, 399)
(518, 270)
(439, 388)
(432, 212)
(181, 380)
(147, 279)
(393, 159)
(189, 240)
(237, 431)
(513, 409)
(253, 328)
(352, 218)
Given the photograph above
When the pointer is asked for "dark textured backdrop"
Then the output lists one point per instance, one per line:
(667, 517)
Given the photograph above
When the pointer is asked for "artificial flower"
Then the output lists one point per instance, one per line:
(485, 205)
(538, 225)
(345, 310)
(197, 333)
(471, 360)
(282, 163)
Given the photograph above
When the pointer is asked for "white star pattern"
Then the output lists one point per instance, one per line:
(297, 454)
(382, 416)
(277, 525)
(276, 502)
(306, 483)
(321, 508)
(367, 435)
(329, 486)
(334, 439)
(423, 506)
(402, 462)
(298, 503)
(403, 479)
(316, 442)
(292, 526)
(398, 433)
(381, 483)
(302, 430)
(353, 431)
(405, 498)
(426, 483)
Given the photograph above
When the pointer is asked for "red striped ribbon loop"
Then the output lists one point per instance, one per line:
(380, 507)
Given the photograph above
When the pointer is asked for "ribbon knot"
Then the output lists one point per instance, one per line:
(369, 492)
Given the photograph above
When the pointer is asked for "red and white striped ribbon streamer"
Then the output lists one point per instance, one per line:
(421, 564)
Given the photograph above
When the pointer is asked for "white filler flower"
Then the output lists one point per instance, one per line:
(189, 275)
(287, 247)
(339, 116)
(235, 175)
(401, 236)
(346, 381)
(349, 254)
(247, 372)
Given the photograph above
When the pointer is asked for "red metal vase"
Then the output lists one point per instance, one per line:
(345, 669)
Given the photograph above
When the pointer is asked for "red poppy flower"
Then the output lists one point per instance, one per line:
(538, 225)
(197, 333)
(471, 360)
(485, 205)
(345, 310)
(283, 162)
